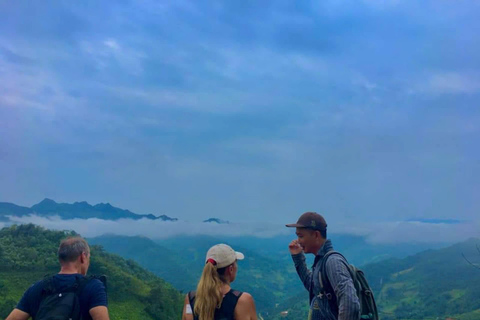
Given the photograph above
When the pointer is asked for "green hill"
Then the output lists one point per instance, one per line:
(28, 253)
(266, 279)
(267, 272)
(434, 284)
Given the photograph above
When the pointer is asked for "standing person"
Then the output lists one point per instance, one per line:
(214, 299)
(343, 304)
(68, 294)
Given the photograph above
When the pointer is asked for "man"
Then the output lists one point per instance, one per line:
(74, 258)
(311, 230)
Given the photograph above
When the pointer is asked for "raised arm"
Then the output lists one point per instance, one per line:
(300, 264)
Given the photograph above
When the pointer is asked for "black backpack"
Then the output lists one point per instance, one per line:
(62, 304)
(368, 307)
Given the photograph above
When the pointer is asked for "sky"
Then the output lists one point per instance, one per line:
(366, 111)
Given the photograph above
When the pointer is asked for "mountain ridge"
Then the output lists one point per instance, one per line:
(77, 210)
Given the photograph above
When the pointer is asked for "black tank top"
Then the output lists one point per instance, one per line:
(227, 308)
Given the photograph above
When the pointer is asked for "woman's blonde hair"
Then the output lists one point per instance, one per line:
(209, 295)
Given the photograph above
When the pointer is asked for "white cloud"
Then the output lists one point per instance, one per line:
(154, 229)
(112, 44)
(451, 82)
(378, 233)
(413, 231)
(111, 51)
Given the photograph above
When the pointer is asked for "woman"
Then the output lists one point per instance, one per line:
(214, 298)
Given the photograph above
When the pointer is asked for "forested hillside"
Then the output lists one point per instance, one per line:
(181, 262)
(28, 253)
(434, 284)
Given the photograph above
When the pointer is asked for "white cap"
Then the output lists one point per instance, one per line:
(223, 255)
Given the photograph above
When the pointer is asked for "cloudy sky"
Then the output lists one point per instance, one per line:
(244, 110)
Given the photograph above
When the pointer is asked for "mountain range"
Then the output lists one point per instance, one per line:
(77, 210)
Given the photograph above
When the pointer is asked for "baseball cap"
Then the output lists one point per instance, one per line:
(223, 255)
(311, 220)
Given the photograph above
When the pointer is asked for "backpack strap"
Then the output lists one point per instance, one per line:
(48, 284)
(321, 286)
(191, 300)
(325, 285)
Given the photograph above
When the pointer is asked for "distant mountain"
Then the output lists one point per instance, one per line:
(433, 284)
(28, 253)
(436, 221)
(216, 220)
(77, 210)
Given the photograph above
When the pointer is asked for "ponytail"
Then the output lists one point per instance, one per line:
(209, 296)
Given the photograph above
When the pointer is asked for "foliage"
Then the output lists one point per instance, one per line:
(267, 280)
(28, 252)
(434, 284)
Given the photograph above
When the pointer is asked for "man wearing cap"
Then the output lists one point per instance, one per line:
(311, 230)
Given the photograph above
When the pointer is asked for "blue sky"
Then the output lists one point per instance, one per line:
(245, 110)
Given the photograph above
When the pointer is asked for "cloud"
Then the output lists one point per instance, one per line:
(154, 229)
(414, 232)
(260, 109)
(453, 83)
(375, 233)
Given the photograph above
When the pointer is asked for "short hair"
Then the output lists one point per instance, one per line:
(72, 248)
(323, 232)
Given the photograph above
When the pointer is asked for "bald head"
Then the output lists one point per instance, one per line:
(72, 248)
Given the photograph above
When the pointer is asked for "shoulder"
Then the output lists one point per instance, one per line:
(31, 297)
(245, 305)
(335, 260)
(37, 287)
(245, 299)
(94, 284)
(94, 290)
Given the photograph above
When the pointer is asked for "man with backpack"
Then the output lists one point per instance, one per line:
(68, 295)
(337, 290)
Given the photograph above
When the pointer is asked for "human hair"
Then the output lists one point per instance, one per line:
(72, 248)
(208, 295)
(323, 232)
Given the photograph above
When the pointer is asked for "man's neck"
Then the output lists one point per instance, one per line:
(319, 246)
(68, 270)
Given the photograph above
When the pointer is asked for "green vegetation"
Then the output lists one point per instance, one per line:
(268, 281)
(28, 253)
(434, 284)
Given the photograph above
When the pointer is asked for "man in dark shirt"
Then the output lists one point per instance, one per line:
(311, 230)
(74, 257)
